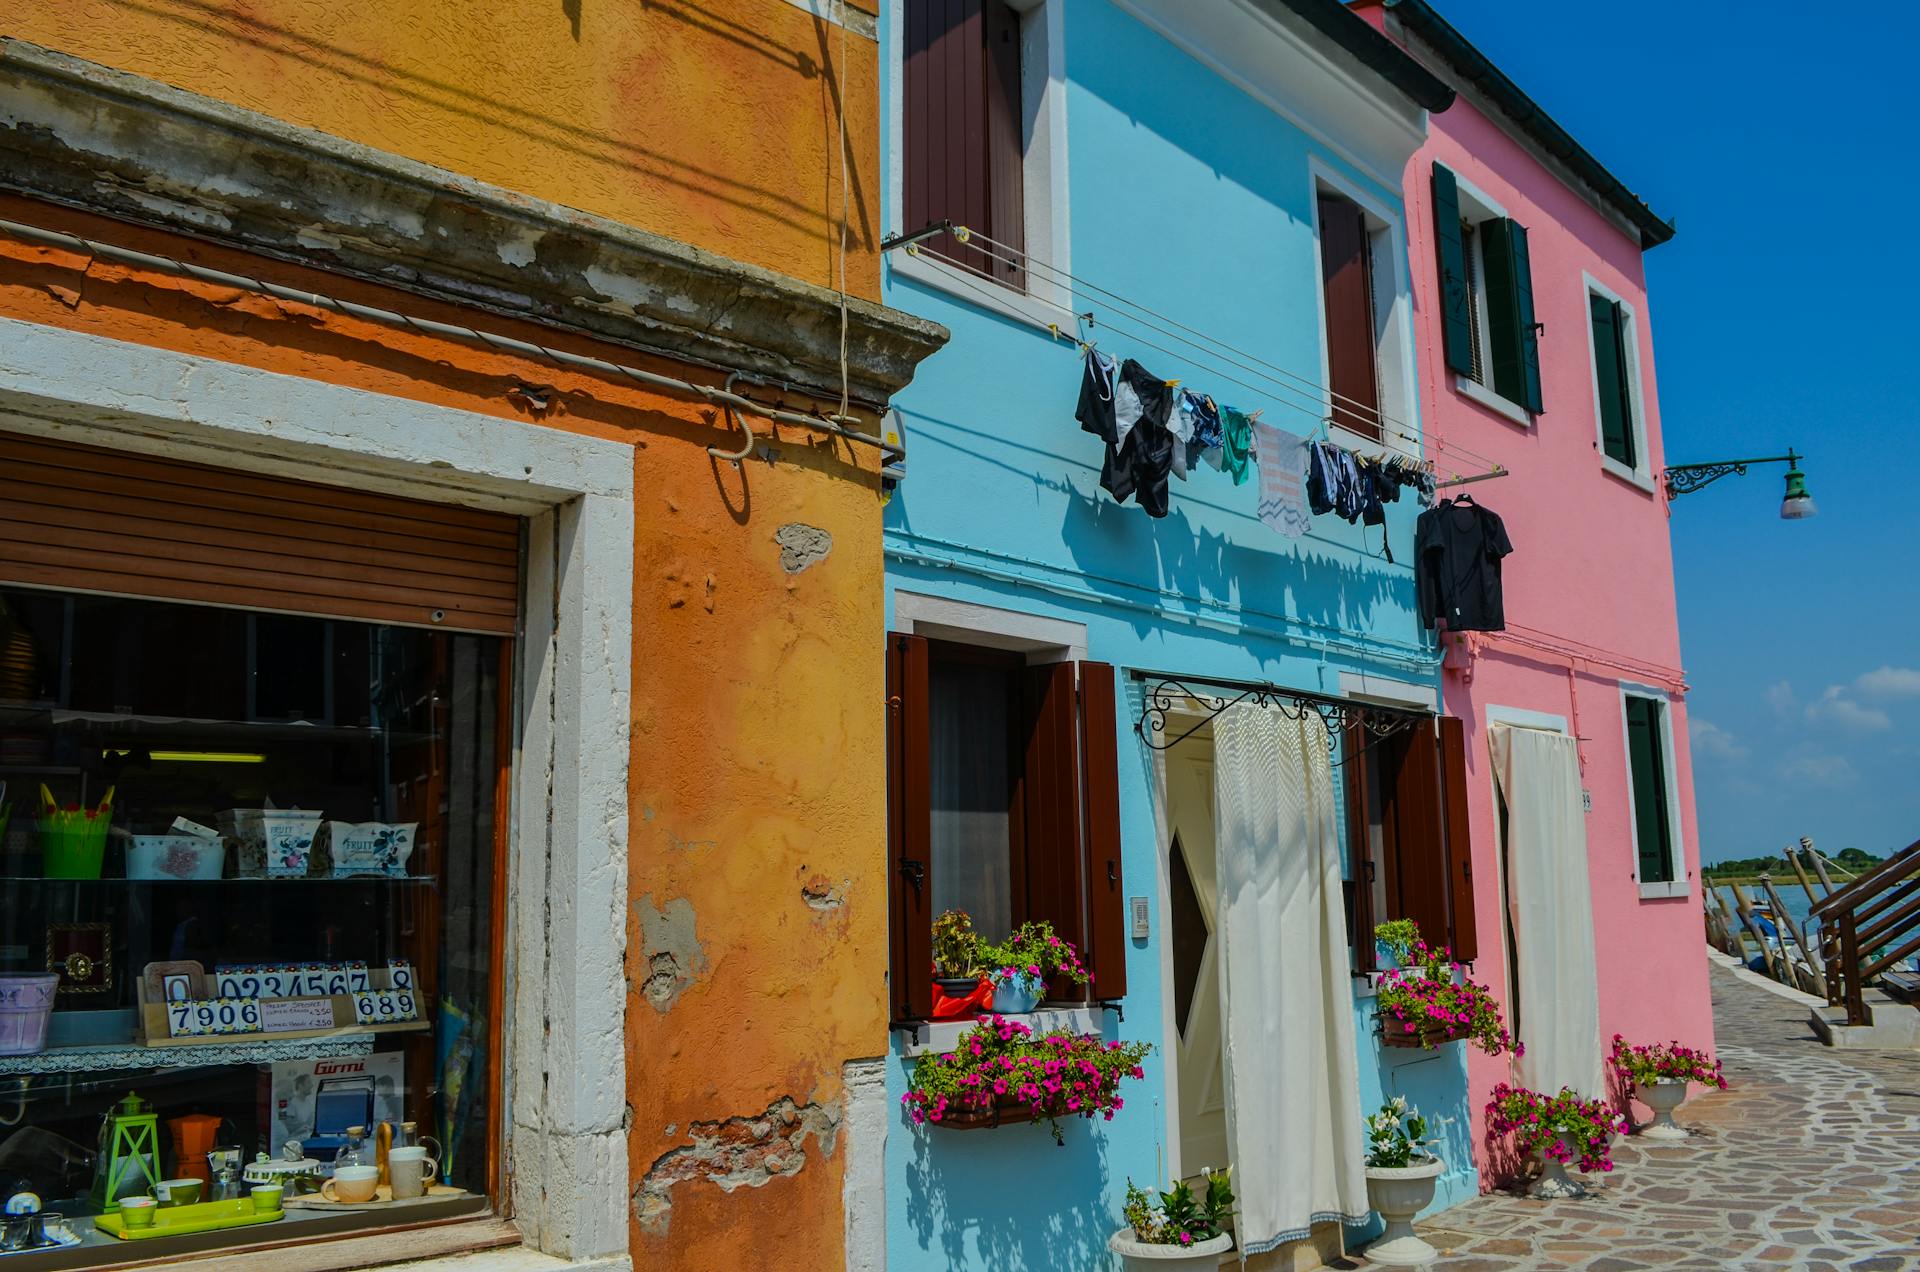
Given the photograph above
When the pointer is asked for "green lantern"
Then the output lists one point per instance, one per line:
(129, 1153)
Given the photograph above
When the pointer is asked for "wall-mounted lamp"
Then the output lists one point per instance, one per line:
(1684, 479)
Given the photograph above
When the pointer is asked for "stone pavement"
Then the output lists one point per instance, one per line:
(1810, 1161)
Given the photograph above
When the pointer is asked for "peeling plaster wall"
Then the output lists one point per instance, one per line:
(756, 805)
(713, 123)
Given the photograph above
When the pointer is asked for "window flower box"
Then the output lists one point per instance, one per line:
(1003, 1071)
(1426, 1035)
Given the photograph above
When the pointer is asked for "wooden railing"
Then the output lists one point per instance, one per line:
(1868, 927)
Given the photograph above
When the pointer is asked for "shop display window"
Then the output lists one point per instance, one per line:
(250, 905)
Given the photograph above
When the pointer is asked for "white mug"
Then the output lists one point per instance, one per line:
(352, 1185)
(411, 1172)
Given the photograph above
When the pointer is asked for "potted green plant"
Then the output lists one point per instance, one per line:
(1395, 939)
(1022, 966)
(1659, 1075)
(1182, 1231)
(1003, 1071)
(1402, 1172)
(1564, 1130)
(956, 954)
(1430, 999)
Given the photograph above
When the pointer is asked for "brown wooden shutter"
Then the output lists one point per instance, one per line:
(89, 519)
(909, 830)
(1106, 947)
(1006, 152)
(1417, 888)
(1459, 826)
(1360, 863)
(1050, 797)
(962, 150)
(1346, 265)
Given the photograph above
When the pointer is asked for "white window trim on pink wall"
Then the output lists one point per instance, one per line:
(1641, 474)
(1682, 885)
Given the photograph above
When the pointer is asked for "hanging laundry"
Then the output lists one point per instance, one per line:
(1236, 444)
(1283, 470)
(1096, 409)
(1333, 482)
(1148, 449)
(1458, 547)
(1207, 432)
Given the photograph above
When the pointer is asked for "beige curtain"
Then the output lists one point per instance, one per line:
(1293, 1097)
(1550, 903)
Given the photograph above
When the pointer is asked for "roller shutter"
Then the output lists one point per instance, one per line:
(87, 519)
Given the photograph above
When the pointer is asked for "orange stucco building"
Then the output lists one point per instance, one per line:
(360, 226)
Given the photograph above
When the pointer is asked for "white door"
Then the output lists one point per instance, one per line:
(1193, 891)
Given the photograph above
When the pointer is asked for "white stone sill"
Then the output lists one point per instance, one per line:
(1638, 478)
(519, 1259)
(982, 293)
(1475, 391)
(936, 1036)
(1671, 888)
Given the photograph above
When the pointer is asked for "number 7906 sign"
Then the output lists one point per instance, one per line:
(201, 1017)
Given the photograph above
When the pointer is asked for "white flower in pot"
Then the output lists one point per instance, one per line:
(1183, 1231)
(1402, 1173)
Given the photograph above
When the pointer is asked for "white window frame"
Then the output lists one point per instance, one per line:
(1392, 330)
(564, 1133)
(1476, 208)
(1641, 474)
(1682, 884)
(1048, 296)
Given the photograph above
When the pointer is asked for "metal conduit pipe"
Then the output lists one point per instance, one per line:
(185, 269)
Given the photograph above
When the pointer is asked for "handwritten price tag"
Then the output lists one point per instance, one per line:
(207, 1017)
(384, 1006)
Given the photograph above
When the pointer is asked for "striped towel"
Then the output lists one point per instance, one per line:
(1282, 457)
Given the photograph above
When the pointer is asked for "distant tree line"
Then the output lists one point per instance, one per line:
(1853, 860)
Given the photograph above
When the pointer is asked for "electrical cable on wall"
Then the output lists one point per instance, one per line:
(1280, 376)
(184, 269)
(1316, 411)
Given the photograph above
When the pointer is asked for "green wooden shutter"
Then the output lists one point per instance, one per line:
(1647, 757)
(1610, 375)
(1529, 328)
(1513, 344)
(1456, 317)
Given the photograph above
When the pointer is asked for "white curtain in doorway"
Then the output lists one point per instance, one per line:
(1293, 1096)
(1550, 904)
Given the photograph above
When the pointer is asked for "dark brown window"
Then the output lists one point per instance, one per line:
(1409, 841)
(1003, 801)
(963, 149)
(1346, 272)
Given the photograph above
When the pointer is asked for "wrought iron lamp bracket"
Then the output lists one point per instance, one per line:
(1685, 479)
(1166, 697)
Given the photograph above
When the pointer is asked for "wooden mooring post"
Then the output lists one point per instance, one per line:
(1783, 922)
(1752, 921)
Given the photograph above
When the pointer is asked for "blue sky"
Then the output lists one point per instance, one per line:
(1779, 138)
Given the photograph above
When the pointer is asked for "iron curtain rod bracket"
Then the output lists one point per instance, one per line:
(1164, 696)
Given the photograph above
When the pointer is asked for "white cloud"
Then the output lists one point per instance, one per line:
(1835, 707)
(1819, 770)
(1781, 698)
(1709, 739)
(1890, 682)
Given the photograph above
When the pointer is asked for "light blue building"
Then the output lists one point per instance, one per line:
(1156, 177)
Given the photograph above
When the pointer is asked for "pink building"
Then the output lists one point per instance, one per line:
(1513, 224)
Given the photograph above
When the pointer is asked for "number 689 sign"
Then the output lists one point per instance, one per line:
(384, 1006)
(205, 1016)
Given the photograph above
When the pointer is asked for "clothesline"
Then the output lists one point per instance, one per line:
(1264, 395)
(1279, 375)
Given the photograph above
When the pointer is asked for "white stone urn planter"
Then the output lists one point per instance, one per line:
(1140, 1256)
(1399, 1193)
(1553, 1181)
(1663, 1096)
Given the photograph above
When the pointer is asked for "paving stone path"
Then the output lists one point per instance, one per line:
(1811, 1161)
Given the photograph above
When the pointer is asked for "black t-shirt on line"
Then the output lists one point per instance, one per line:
(1457, 548)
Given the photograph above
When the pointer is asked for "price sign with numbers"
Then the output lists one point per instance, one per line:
(384, 1006)
(207, 1017)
